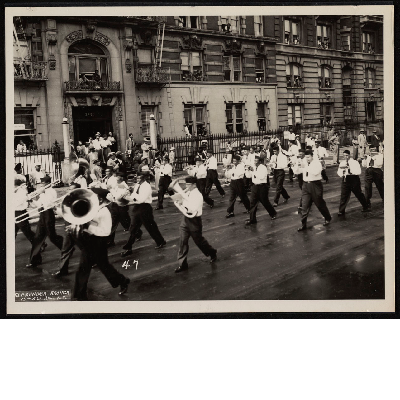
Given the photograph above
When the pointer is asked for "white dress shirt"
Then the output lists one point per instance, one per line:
(20, 199)
(37, 175)
(237, 172)
(194, 202)
(293, 150)
(166, 170)
(111, 182)
(200, 171)
(47, 198)
(378, 161)
(280, 161)
(142, 193)
(81, 180)
(312, 171)
(96, 144)
(119, 192)
(211, 163)
(299, 165)
(101, 224)
(104, 143)
(260, 174)
(320, 152)
(353, 169)
(21, 148)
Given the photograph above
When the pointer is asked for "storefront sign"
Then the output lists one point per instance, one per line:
(18, 127)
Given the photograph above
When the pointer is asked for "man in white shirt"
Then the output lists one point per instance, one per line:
(111, 162)
(298, 168)
(249, 166)
(192, 227)
(349, 170)
(21, 204)
(310, 140)
(142, 213)
(110, 180)
(293, 151)
(47, 223)
(312, 191)
(259, 192)
(164, 182)
(200, 172)
(373, 174)
(279, 162)
(212, 174)
(237, 187)
(93, 244)
(37, 174)
(21, 147)
(362, 143)
(321, 154)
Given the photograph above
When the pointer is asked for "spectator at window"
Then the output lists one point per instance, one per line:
(21, 147)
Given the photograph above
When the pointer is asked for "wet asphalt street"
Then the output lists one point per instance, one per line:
(266, 261)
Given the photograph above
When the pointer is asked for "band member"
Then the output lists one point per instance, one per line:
(46, 225)
(21, 204)
(80, 177)
(362, 144)
(212, 174)
(142, 213)
(200, 172)
(279, 162)
(293, 151)
(298, 168)
(249, 163)
(321, 154)
(110, 179)
(237, 188)
(259, 192)
(165, 181)
(349, 170)
(373, 174)
(93, 243)
(192, 227)
(119, 208)
(312, 191)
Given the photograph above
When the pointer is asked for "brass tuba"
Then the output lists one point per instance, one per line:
(80, 206)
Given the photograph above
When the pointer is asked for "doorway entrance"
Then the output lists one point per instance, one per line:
(89, 120)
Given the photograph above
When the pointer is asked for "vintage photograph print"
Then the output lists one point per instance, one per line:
(200, 163)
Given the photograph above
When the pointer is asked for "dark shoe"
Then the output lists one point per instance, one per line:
(326, 222)
(182, 268)
(160, 246)
(302, 228)
(126, 253)
(248, 222)
(275, 205)
(124, 286)
(213, 257)
(31, 265)
(211, 205)
(229, 215)
(138, 239)
(223, 195)
(286, 200)
(274, 217)
(327, 181)
(159, 208)
(59, 274)
(341, 214)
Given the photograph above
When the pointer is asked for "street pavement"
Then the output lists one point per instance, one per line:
(266, 261)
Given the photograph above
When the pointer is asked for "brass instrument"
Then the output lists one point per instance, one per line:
(80, 206)
(81, 163)
(178, 190)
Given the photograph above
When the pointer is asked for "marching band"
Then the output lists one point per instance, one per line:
(93, 211)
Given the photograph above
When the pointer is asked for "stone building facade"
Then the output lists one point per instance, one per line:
(197, 74)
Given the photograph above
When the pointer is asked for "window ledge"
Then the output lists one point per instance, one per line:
(295, 88)
(327, 89)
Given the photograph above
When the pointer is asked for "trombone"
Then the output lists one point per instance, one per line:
(38, 192)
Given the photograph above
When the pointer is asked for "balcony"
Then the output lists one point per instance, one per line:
(371, 19)
(152, 75)
(92, 86)
(30, 71)
(193, 76)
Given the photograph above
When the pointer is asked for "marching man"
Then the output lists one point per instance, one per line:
(321, 154)
(165, 181)
(212, 174)
(200, 172)
(373, 174)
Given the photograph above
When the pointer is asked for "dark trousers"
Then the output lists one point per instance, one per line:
(324, 175)
(143, 214)
(373, 175)
(291, 174)
(212, 178)
(247, 183)
(118, 214)
(279, 175)
(201, 185)
(238, 189)
(67, 251)
(351, 184)
(165, 181)
(300, 180)
(192, 227)
(24, 226)
(94, 251)
(259, 193)
(46, 227)
(312, 192)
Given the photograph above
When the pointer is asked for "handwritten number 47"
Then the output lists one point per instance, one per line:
(126, 264)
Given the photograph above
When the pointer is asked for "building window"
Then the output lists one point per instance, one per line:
(324, 77)
(145, 113)
(25, 116)
(346, 76)
(260, 70)
(145, 57)
(370, 109)
(324, 38)
(231, 24)
(189, 22)
(368, 42)
(258, 25)
(369, 78)
(326, 117)
(191, 66)
(235, 24)
(294, 115)
(292, 32)
(293, 76)
(345, 41)
(262, 116)
(234, 117)
(194, 117)
(85, 58)
(232, 69)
